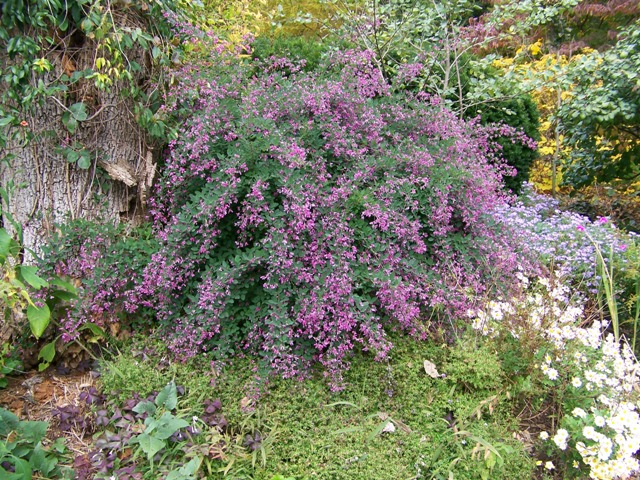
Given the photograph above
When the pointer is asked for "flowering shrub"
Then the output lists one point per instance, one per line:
(107, 262)
(592, 378)
(301, 213)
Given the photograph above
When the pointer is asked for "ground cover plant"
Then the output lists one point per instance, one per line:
(392, 420)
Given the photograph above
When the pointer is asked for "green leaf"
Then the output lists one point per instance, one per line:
(8, 422)
(48, 352)
(6, 120)
(38, 319)
(377, 430)
(23, 469)
(145, 406)
(186, 472)
(169, 425)
(348, 404)
(150, 445)
(72, 156)
(84, 162)
(168, 397)
(70, 122)
(32, 432)
(5, 245)
(28, 273)
(96, 330)
(63, 295)
(59, 445)
(64, 285)
(79, 111)
(40, 462)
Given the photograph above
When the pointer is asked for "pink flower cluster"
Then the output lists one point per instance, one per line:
(302, 214)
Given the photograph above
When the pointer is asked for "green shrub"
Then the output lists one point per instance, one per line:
(293, 48)
(522, 113)
(475, 366)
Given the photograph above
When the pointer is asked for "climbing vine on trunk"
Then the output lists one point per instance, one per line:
(79, 124)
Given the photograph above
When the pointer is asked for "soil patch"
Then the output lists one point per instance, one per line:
(38, 396)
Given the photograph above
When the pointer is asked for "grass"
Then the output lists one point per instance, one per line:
(452, 426)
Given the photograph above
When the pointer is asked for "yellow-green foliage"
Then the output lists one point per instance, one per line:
(542, 72)
(237, 18)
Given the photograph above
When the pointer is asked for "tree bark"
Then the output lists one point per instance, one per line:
(45, 190)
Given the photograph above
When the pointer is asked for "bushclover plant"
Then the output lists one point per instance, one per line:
(300, 214)
(106, 261)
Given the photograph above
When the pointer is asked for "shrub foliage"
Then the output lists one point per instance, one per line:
(520, 112)
(302, 213)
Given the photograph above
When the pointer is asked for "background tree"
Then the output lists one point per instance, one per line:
(602, 115)
(586, 96)
(78, 109)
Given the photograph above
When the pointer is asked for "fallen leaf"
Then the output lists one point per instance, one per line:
(431, 369)
(389, 427)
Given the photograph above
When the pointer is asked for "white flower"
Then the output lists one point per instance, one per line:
(601, 366)
(599, 421)
(576, 382)
(578, 412)
(549, 466)
(544, 436)
(560, 438)
(589, 432)
(605, 400)
(552, 373)
(606, 447)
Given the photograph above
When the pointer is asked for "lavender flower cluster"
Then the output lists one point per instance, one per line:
(564, 241)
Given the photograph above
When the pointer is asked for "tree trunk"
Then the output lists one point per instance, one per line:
(44, 189)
